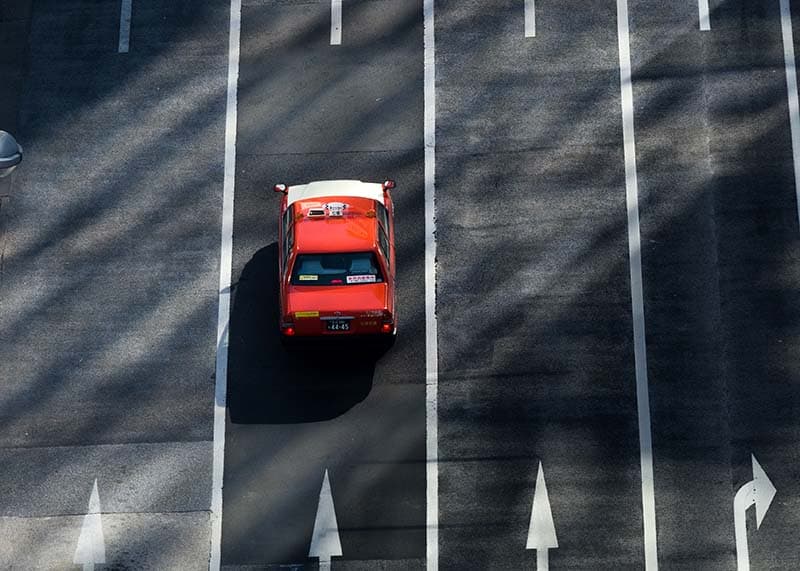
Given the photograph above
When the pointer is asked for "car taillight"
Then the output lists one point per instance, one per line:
(287, 329)
(388, 323)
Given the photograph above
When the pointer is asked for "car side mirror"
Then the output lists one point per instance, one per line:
(389, 184)
(10, 154)
(280, 188)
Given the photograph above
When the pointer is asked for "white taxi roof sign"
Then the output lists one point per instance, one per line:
(323, 188)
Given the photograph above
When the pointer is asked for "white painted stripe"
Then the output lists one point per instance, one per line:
(91, 548)
(542, 529)
(791, 89)
(637, 297)
(125, 26)
(325, 541)
(225, 260)
(530, 19)
(743, 499)
(431, 340)
(336, 22)
(705, 20)
(542, 560)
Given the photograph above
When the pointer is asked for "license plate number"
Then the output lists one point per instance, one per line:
(339, 325)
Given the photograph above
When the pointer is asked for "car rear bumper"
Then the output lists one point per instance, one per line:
(338, 326)
(377, 341)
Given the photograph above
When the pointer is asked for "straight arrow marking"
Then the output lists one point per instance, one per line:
(542, 530)
(325, 537)
(91, 549)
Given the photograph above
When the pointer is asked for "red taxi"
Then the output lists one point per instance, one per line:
(337, 261)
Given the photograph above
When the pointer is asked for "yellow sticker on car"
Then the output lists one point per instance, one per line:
(307, 277)
(306, 313)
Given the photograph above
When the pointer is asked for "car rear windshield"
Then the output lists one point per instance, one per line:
(350, 268)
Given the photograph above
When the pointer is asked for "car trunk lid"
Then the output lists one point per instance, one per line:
(337, 309)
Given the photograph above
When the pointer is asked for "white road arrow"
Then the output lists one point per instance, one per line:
(91, 548)
(542, 530)
(758, 491)
(325, 537)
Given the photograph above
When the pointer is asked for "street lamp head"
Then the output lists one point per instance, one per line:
(10, 154)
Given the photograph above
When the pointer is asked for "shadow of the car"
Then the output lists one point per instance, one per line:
(309, 381)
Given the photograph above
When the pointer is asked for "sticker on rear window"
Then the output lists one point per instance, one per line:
(365, 279)
(306, 313)
(307, 278)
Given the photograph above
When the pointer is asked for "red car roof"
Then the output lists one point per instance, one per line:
(355, 231)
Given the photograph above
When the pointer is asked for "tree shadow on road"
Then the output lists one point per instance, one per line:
(268, 384)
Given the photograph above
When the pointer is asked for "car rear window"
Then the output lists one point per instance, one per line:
(350, 268)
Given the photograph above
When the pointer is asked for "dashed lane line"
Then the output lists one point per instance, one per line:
(705, 19)
(125, 26)
(336, 22)
(637, 297)
(530, 19)
(225, 262)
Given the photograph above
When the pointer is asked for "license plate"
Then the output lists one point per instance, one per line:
(338, 325)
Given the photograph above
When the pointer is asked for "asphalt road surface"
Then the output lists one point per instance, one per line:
(309, 111)
(536, 353)
(109, 280)
(110, 243)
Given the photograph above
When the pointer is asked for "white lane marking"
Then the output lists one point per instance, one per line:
(791, 89)
(530, 19)
(705, 19)
(91, 549)
(759, 491)
(125, 27)
(637, 296)
(223, 311)
(325, 541)
(542, 530)
(431, 327)
(336, 22)
(764, 490)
